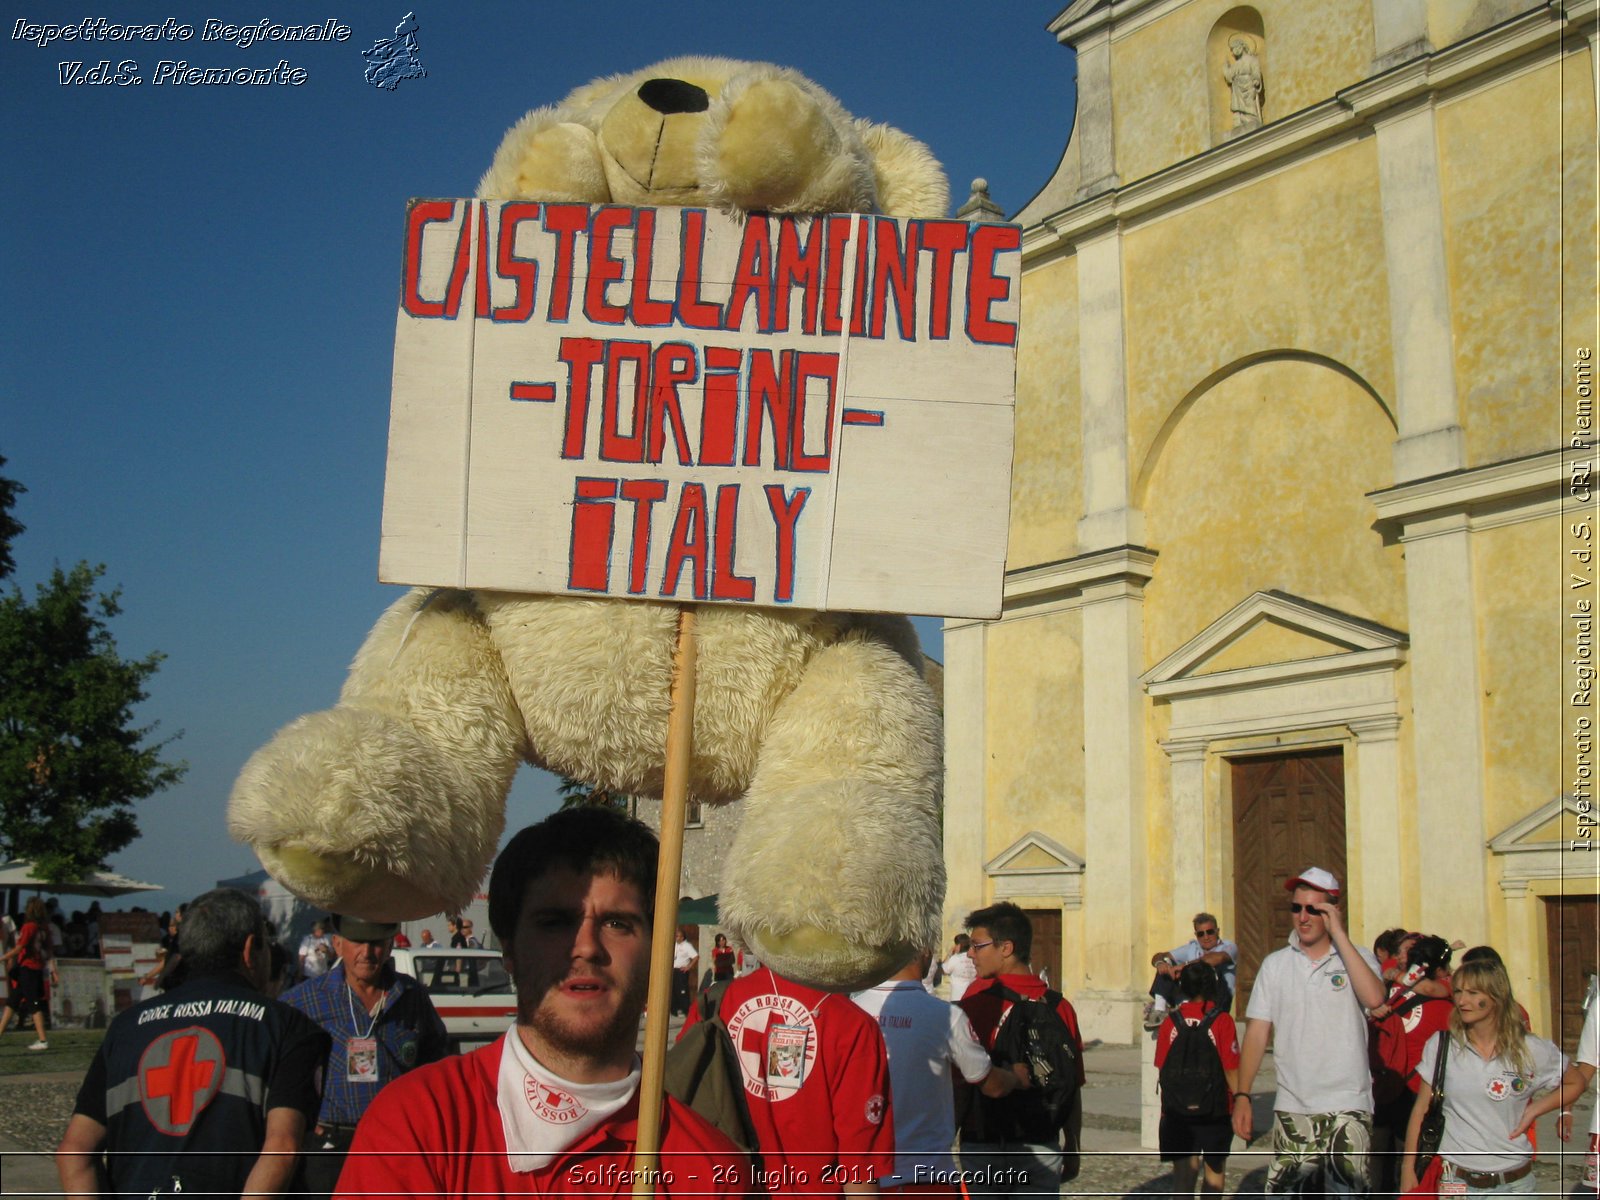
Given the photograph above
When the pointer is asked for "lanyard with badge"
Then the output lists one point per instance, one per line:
(785, 1059)
(361, 1057)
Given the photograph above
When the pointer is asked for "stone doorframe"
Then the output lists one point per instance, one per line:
(1345, 697)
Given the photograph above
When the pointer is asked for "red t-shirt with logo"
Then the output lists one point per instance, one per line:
(437, 1131)
(1397, 1040)
(816, 1076)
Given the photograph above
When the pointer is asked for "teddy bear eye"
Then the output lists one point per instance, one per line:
(669, 96)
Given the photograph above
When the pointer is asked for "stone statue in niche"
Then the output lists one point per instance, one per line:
(1243, 73)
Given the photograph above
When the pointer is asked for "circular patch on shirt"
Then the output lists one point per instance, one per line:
(408, 1052)
(552, 1104)
(1339, 981)
(179, 1074)
(747, 1028)
(875, 1111)
(1505, 1087)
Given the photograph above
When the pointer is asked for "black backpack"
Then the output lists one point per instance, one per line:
(1192, 1081)
(1034, 1032)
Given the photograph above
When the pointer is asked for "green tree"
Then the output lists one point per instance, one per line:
(72, 762)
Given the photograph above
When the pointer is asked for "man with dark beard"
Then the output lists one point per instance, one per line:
(553, 1105)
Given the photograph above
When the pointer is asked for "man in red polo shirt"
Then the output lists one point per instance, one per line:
(552, 1107)
(816, 1077)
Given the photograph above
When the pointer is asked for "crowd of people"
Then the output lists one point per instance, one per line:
(1399, 1069)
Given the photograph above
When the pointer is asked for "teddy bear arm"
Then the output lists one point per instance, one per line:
(546, 158)
(390, 805)
(837, 875)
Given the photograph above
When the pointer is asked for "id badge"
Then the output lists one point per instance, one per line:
(786, 1056)
(1452, 1187)
(361, 1061)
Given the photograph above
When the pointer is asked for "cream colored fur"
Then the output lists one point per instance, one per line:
(391, 805)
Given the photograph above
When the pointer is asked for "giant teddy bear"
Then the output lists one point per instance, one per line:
(391, 804)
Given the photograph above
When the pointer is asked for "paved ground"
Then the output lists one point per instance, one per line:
(34, 1110)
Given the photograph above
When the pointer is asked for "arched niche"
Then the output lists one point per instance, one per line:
(1242, 24)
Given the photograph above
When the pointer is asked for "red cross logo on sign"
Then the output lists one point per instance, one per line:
(179, 1073)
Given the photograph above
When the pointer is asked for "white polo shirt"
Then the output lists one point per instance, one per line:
(1319, 1033)
(925, 1036)
(1484, 1099)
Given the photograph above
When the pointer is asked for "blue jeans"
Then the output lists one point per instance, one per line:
(1011, 1169)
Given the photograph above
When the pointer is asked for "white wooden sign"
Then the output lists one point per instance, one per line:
(675, 404)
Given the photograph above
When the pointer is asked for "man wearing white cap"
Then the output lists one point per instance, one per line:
(1309, 998)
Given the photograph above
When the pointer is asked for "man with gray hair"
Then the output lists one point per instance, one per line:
(204, 1089)
(1208, 946)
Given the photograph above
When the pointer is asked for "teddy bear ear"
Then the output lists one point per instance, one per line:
(911, 183)
(547, 156)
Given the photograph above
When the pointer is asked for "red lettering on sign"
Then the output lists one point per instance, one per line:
(984, 289)
(752, 277)
(509, 265)
(481, 308)
(672, 364)
(837, 236)
(694, 312)
(604, 269)
(725, 585)
(580, 355)
(944, 240)
(433, 212)
(643, 493)
(181, 1080)
(688, 544)
(894, 267)
(719, 419)
(785, 516)
(589, 568)
(768, 394)
(798, 262)
(809, 365)
(566, 221)
(616, 446)
(646, 311)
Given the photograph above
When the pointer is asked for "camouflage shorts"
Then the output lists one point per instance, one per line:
(1321, 1152)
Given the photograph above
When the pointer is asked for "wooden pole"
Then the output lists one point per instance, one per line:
(674, 810)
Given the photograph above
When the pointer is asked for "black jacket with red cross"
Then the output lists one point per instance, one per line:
(183, 1083)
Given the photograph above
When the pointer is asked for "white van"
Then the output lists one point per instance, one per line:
(469, 988)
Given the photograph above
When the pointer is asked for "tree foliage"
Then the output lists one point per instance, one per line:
(575, 793)
(72, 761)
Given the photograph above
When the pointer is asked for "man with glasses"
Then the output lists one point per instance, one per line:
(1309, 998)
(1013, 1145)
(1208, 946)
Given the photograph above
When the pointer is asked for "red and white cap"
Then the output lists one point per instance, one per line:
(1315, 877)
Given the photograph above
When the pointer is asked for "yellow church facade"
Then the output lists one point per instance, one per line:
(1299, 508)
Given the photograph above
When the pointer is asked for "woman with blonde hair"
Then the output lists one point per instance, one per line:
(1493, 1067)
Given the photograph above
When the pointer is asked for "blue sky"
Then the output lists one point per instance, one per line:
(200, 283)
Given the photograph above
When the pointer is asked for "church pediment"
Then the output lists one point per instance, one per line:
(1552, 826)
(1272, 635)
(1034, 867)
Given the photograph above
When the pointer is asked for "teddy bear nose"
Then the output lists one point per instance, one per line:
(669, 96)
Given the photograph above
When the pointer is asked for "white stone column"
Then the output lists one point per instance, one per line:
(1114, 810)
(1186, 829)
(1377, 769)
(1103, 381)
(1447, 722)
(965, 780)
(1399, 32)
(1431, 440)
(1092, 128)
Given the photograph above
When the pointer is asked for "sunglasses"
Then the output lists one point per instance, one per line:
(1205, 933)
(1307, 908)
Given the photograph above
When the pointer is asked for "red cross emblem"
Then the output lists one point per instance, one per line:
(179, 1073)
(1497, 1089)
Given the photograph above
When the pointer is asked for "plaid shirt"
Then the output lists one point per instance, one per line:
(408, 1031)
